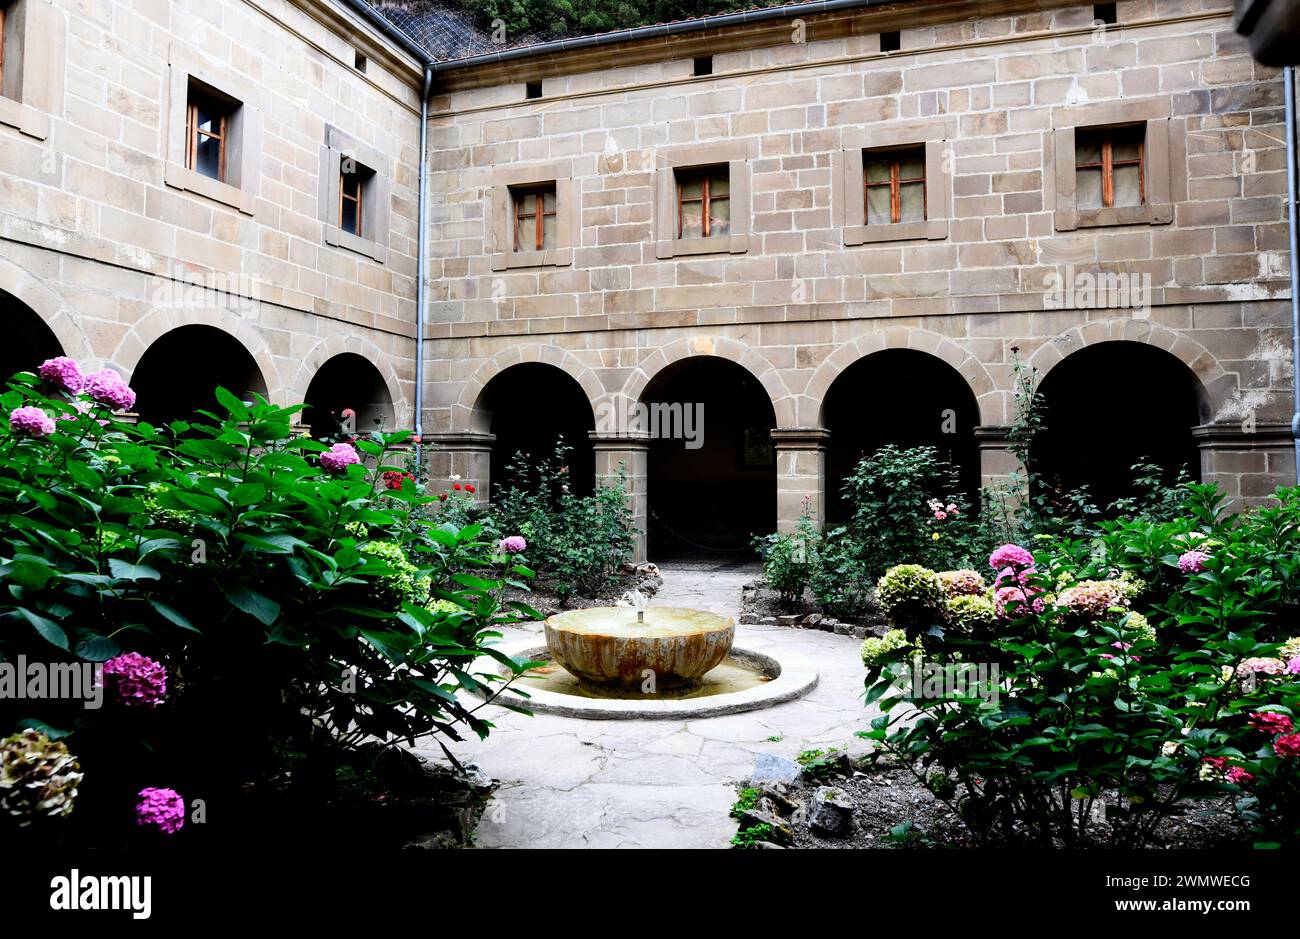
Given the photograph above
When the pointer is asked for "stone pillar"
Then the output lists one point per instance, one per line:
(629, 450)
(467, 455)
(800, 475)
(997, 460)
(1248, 461)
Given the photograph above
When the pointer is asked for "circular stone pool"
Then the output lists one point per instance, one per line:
(745, 680)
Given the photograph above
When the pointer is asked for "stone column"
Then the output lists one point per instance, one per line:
(1248, 460)
(997, 460)
(800, 475)
(467, 455)
(630, 451)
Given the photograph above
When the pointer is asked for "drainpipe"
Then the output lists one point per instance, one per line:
(421, 267)
(1288, 77)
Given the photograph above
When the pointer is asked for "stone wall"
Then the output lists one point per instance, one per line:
(106, 236)
(798, 295)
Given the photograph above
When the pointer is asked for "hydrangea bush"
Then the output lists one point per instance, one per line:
(1129, 681)
(260, 604)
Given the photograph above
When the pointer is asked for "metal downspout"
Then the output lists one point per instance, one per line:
(421, 267)
(1288, 77)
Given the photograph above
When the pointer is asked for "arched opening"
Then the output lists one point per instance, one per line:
(901, 397)
(530, 408)
(1108, 407)
(711, 462)
(28, 341)
(179, 374)
(347, 382)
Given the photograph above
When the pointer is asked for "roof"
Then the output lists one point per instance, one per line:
(449, 35)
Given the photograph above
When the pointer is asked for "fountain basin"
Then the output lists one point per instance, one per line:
(606, 646)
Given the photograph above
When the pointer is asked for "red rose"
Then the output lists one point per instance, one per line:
(455, 486)
(443, 497)
(469, 488)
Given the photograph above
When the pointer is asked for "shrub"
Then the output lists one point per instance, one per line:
(839, 578)
(247, 588)
(789, 561)
(582, 542)
(968, 613)
(911, 596)
(1126, 681)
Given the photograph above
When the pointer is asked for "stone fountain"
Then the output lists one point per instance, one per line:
(621, 647)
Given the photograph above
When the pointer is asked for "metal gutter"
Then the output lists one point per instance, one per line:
(1288, 78)
(421, 266)
(659, 30)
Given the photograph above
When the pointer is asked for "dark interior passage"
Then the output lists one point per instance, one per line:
(713, 495)
(28, 341)
(180, 373)
(1110, 406)
(901, 397)
(347, 382)
(533, 406)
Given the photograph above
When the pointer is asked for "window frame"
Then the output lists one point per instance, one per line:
(499, 231)
(519, 195)
(359, 199)
(32, 80)
(1107, 163)
(736, 155)
(193, 131)
(188, 71)
(1164, 168)
(705, 175)
(849, 180)
(895, 184)
(374, 175)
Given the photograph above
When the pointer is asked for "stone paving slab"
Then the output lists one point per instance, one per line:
(572, 783)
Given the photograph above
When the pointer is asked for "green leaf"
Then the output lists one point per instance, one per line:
(248, 494)
(124, 570)
(51, 631)
(173, 616)
(261, 608)
(97, 649)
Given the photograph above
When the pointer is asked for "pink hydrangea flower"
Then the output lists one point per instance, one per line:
(1260, 665)
(1293, 667)
(940, 515)
(514, 544)
(1010, 577)
(1192, 562)
(63, 373)
(1010, 555)
(964, 582)
(107, 387)
(31, 421)
(1091, 599)
(136, 680)
(163, 809)
(1271, 722)
(1239, 776)
(1004, 598)
(339, 457)
(1288, 745)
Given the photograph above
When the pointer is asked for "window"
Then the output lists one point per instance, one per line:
(1105, 13)
(704, 65)
(354, 180)
(207, 133)
(533, 90)
(535, 218)
(891, 42)
(894, 183)
(704, 202)
(360, 63)
(1110, 167)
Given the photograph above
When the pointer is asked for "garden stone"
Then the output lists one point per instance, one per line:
(748, 619)
(768, 845)
(789, 620)
(770, 768)
(842, 629)
(860, 632)
(774, 794)
(832, 812)
(813, 620)
(768, 621)
(476, 777)
(781, 831)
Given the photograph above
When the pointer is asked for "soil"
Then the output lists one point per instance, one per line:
(886, 796)
(759, 603)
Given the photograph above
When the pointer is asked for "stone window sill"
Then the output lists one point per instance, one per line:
(681, 247)
(341, 239)
(25, 118)
(931, 230)
(180, 177)
(1119, 215)
(556, 257)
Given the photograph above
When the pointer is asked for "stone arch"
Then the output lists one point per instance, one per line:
(26, 288)
(721, 347)
(468, 416)
(808, 406)
(337, 344)
(126, 357)
(1215, 383)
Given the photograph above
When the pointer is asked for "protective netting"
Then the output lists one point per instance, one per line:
(445, 33)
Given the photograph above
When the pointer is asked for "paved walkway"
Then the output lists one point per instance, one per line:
(569, 783)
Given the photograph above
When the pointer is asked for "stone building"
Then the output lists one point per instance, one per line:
(726, 257)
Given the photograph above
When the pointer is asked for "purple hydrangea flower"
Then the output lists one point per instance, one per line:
(31, 421)
(339, 457)
(136, 680)
(163, 809)
(63, 373)
(514, 544)
(107, 387)
(1192, 562)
